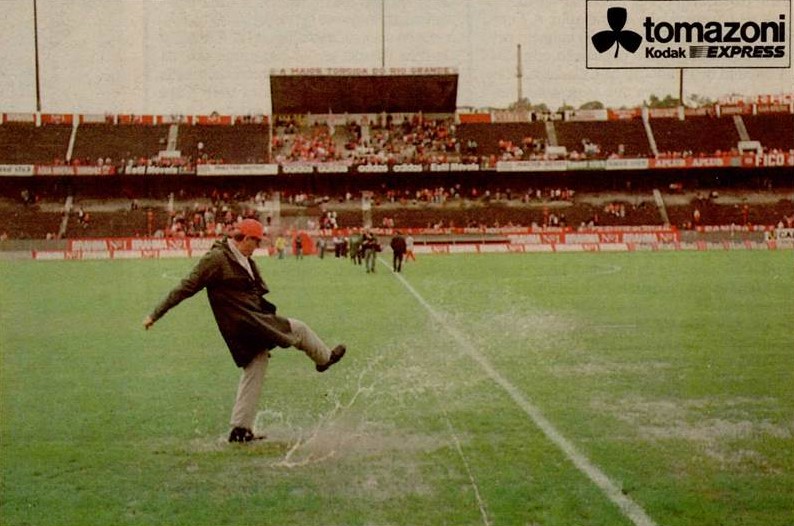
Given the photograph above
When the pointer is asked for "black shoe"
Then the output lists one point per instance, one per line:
(242, 434)
(336, 355)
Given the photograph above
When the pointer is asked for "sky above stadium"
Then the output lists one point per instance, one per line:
(200, 56)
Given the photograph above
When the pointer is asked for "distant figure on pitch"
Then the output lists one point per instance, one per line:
(398, 248)
(409, 248)
(281, 246)
(247, 321)
(298, 247)
(370, 247)
(354, 247)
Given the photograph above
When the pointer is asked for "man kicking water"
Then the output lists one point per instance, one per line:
(247, 321)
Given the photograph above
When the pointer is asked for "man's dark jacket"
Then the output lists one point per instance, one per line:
(247, 321)
(398, 244)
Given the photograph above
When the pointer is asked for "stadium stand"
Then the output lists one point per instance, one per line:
(119, 143)
(696, 135)
(487, 140)
(422, 166)
(237, 144)
(744, 209)
(27, 143)
(624, 138)
(772, 130)
(115, 219)
(317, 143)
(511, 214)
(21, 221)
(374, 141)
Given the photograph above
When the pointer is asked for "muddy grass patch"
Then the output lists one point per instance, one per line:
(721, 429)
(606, 368)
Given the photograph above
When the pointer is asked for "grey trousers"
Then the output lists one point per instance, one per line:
(253, 376)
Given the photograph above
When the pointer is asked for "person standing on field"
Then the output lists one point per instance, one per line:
(281, 246)
(398, 248)
(409, 248)
(354, 246)
(370, 248)
(298, 246)
(247, 321)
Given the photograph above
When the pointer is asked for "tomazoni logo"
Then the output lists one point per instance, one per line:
(616, 36)
(652, 34)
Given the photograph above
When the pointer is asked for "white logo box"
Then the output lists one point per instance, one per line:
(694, 34)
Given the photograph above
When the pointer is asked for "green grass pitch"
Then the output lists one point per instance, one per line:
(669, 374)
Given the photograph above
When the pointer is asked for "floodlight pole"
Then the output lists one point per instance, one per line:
(383, 34)
(519, 76)
(36, 46)
(681, 87)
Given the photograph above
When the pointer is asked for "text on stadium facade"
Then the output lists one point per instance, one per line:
(363, 72)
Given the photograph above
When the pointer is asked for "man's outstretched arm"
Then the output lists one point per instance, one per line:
(199, 277)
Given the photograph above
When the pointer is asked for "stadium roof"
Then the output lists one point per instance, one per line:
(363, 90)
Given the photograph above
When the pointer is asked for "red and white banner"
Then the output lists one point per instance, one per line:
(57, 118)
(588, 115)
(137, 119)
(532, 166)
(174, 119)
(16, 170)
(19, 117)
(135, 243)
(663, 113)
(694, 162)
(510, 116)
(699, 112)
(472, 248)
(601, 236)
(621, 115)
(131, 248)
(474, 118)
(59, 170)
(214, 120)
(784, 234)
(454, 167)
(96, 118)
(772, 108)
(627, 164)
(779, 98)
(736, 110)
(603, 241)
(768, 160)
(237, 169)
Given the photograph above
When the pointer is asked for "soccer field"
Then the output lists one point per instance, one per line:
(547, 389)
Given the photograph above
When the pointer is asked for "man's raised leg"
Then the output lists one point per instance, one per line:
(316, 349)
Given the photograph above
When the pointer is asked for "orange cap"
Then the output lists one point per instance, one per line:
(251, 228)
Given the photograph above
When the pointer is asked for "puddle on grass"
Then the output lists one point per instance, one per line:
(696, 422)
(605, 368)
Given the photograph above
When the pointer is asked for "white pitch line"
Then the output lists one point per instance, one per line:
(627, 506)
(610, 269)
(474, 485)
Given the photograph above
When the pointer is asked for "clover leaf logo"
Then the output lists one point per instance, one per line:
(617, 36)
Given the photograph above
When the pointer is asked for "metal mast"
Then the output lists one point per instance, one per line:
(519, 75)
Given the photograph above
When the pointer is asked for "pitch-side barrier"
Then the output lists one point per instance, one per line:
(527, 241)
